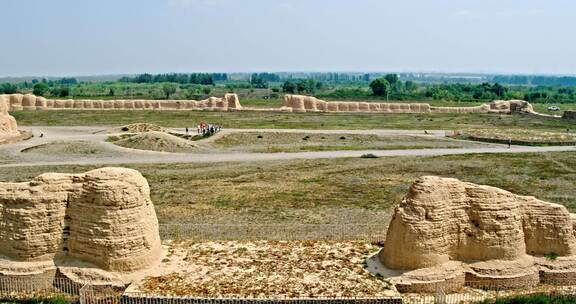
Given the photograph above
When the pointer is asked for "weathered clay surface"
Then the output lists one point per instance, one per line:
(103, 218)
(494, 233)
(511, 106)
(8, 127)
(300, 103)
(29, 102)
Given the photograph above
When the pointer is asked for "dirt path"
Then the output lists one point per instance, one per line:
(117, 155)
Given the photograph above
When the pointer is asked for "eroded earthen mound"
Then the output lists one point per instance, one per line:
(101, 219)
(140, 127)
(8, 127)
(499, 237)
(156, 141)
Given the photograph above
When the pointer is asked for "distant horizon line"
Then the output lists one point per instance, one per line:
(298, 72)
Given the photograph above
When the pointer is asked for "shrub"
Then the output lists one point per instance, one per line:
(552, 256)
(369, 155)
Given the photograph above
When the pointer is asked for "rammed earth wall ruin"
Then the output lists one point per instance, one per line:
(451, 233)
(230, 102)
(29, 102)
(300, 103)
(102, 217)
(8, 127)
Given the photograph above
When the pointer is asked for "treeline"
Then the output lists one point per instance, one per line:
(335, 78)
(40, 88)
(567, 81)
(302, 86)
(271, 85)
(391, 88)
(261, 80)
(194, 78)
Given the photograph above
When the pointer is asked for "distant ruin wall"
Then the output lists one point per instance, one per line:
(29, 102)
(291, 103)
(103, 217)
(8, 126)
(300, 104)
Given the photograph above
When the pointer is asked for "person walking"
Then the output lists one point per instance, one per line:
(509, 143)
(186, 130)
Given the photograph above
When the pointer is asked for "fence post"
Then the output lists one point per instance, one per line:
(439, 296)
(83, 293)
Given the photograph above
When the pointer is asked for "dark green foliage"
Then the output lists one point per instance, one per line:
(54, 300)
(169, 89)
(8, 88)
(380, 87)
(552, 256)
(258, 81)
(195, 78)
(369, 155)
(289, 87)
(40, 89)
(301, 86)
(391, 78)
(60, 92)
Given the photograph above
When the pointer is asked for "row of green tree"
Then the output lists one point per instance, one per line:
(194, 78)
(390, 87)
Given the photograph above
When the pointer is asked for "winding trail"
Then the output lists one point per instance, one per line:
(119, 155)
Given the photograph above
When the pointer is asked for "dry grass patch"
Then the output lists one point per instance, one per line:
(522, 136)
(328, 191)
(268, 142)
(68, 148)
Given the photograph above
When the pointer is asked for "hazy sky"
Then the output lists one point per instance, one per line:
(90, 37)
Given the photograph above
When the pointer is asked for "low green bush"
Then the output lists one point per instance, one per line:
(52, 300)
(369, 155)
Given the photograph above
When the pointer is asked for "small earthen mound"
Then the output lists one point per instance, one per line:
(155, 141)
(70, 148)
(140, 127)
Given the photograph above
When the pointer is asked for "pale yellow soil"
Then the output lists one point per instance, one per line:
(267, 269)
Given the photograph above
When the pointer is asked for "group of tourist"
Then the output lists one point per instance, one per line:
(206, 129)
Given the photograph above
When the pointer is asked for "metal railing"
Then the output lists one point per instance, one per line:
(19, 289)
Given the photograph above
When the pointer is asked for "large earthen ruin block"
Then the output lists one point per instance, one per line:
(8, 127)
(491, 236)
(102, 218)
